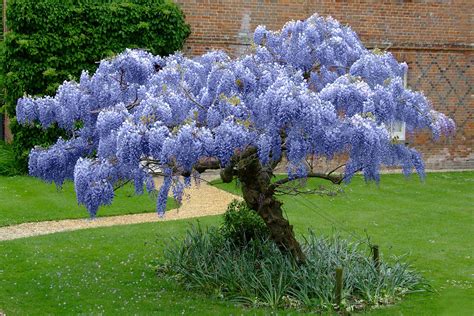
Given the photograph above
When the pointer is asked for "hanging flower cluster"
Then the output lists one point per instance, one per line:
(310, 88)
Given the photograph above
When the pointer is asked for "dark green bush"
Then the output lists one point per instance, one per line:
(241, 224)
(259, 274)
(8, 165)
(1, 20)
(50, 41)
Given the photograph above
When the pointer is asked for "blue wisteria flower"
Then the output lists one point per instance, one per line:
(309, 90)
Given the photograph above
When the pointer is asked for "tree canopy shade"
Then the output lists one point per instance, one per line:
(311, 89)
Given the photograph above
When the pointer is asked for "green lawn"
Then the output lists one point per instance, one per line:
(107, 269)
(27, 199)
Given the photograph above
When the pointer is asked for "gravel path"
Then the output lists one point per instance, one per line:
(200, 201)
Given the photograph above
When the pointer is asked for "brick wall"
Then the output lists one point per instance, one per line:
(435, 38)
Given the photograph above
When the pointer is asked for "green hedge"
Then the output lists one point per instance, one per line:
(1, 20)
(50, 41)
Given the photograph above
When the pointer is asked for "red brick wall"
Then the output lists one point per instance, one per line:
(446, 78)
(434, 37)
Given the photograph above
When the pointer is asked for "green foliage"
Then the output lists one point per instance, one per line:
(8, 165)
(261, 275)
(241, 224)
(50, 41)
(27, 137)
(1, 20)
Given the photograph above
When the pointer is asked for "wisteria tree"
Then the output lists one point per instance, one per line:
(309, 90)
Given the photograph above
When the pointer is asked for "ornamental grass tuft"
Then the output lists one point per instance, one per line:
(258, 274)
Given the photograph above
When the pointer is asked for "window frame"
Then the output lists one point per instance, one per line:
(397, 129)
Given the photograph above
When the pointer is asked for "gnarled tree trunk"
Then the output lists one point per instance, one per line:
(259, 196)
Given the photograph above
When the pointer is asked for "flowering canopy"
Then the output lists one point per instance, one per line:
(310, 89)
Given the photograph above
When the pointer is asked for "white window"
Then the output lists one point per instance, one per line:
(397, 129)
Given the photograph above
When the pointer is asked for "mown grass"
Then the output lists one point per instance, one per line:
(96, 271)
(27, 199)
(106, 270)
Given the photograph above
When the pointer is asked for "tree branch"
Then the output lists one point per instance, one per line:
(122, 184)
(333, 170)
(129, 106)
(190, 97)
(201, 166)
(134, 103)
(336, 179)
(206, 164)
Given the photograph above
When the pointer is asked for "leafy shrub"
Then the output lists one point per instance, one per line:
(258, 274)
(8, 163)
(50, 41)
(241, 224)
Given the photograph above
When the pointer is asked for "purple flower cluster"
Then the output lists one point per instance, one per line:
(311, 88)
(93, 182)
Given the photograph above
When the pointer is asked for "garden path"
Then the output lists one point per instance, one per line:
(202, 200)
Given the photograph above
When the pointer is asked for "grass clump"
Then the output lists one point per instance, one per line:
(257, 274)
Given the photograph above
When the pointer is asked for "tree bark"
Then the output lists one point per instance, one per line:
(259, 196)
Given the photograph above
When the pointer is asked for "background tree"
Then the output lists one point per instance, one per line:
(50, 41)
(311, 89)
